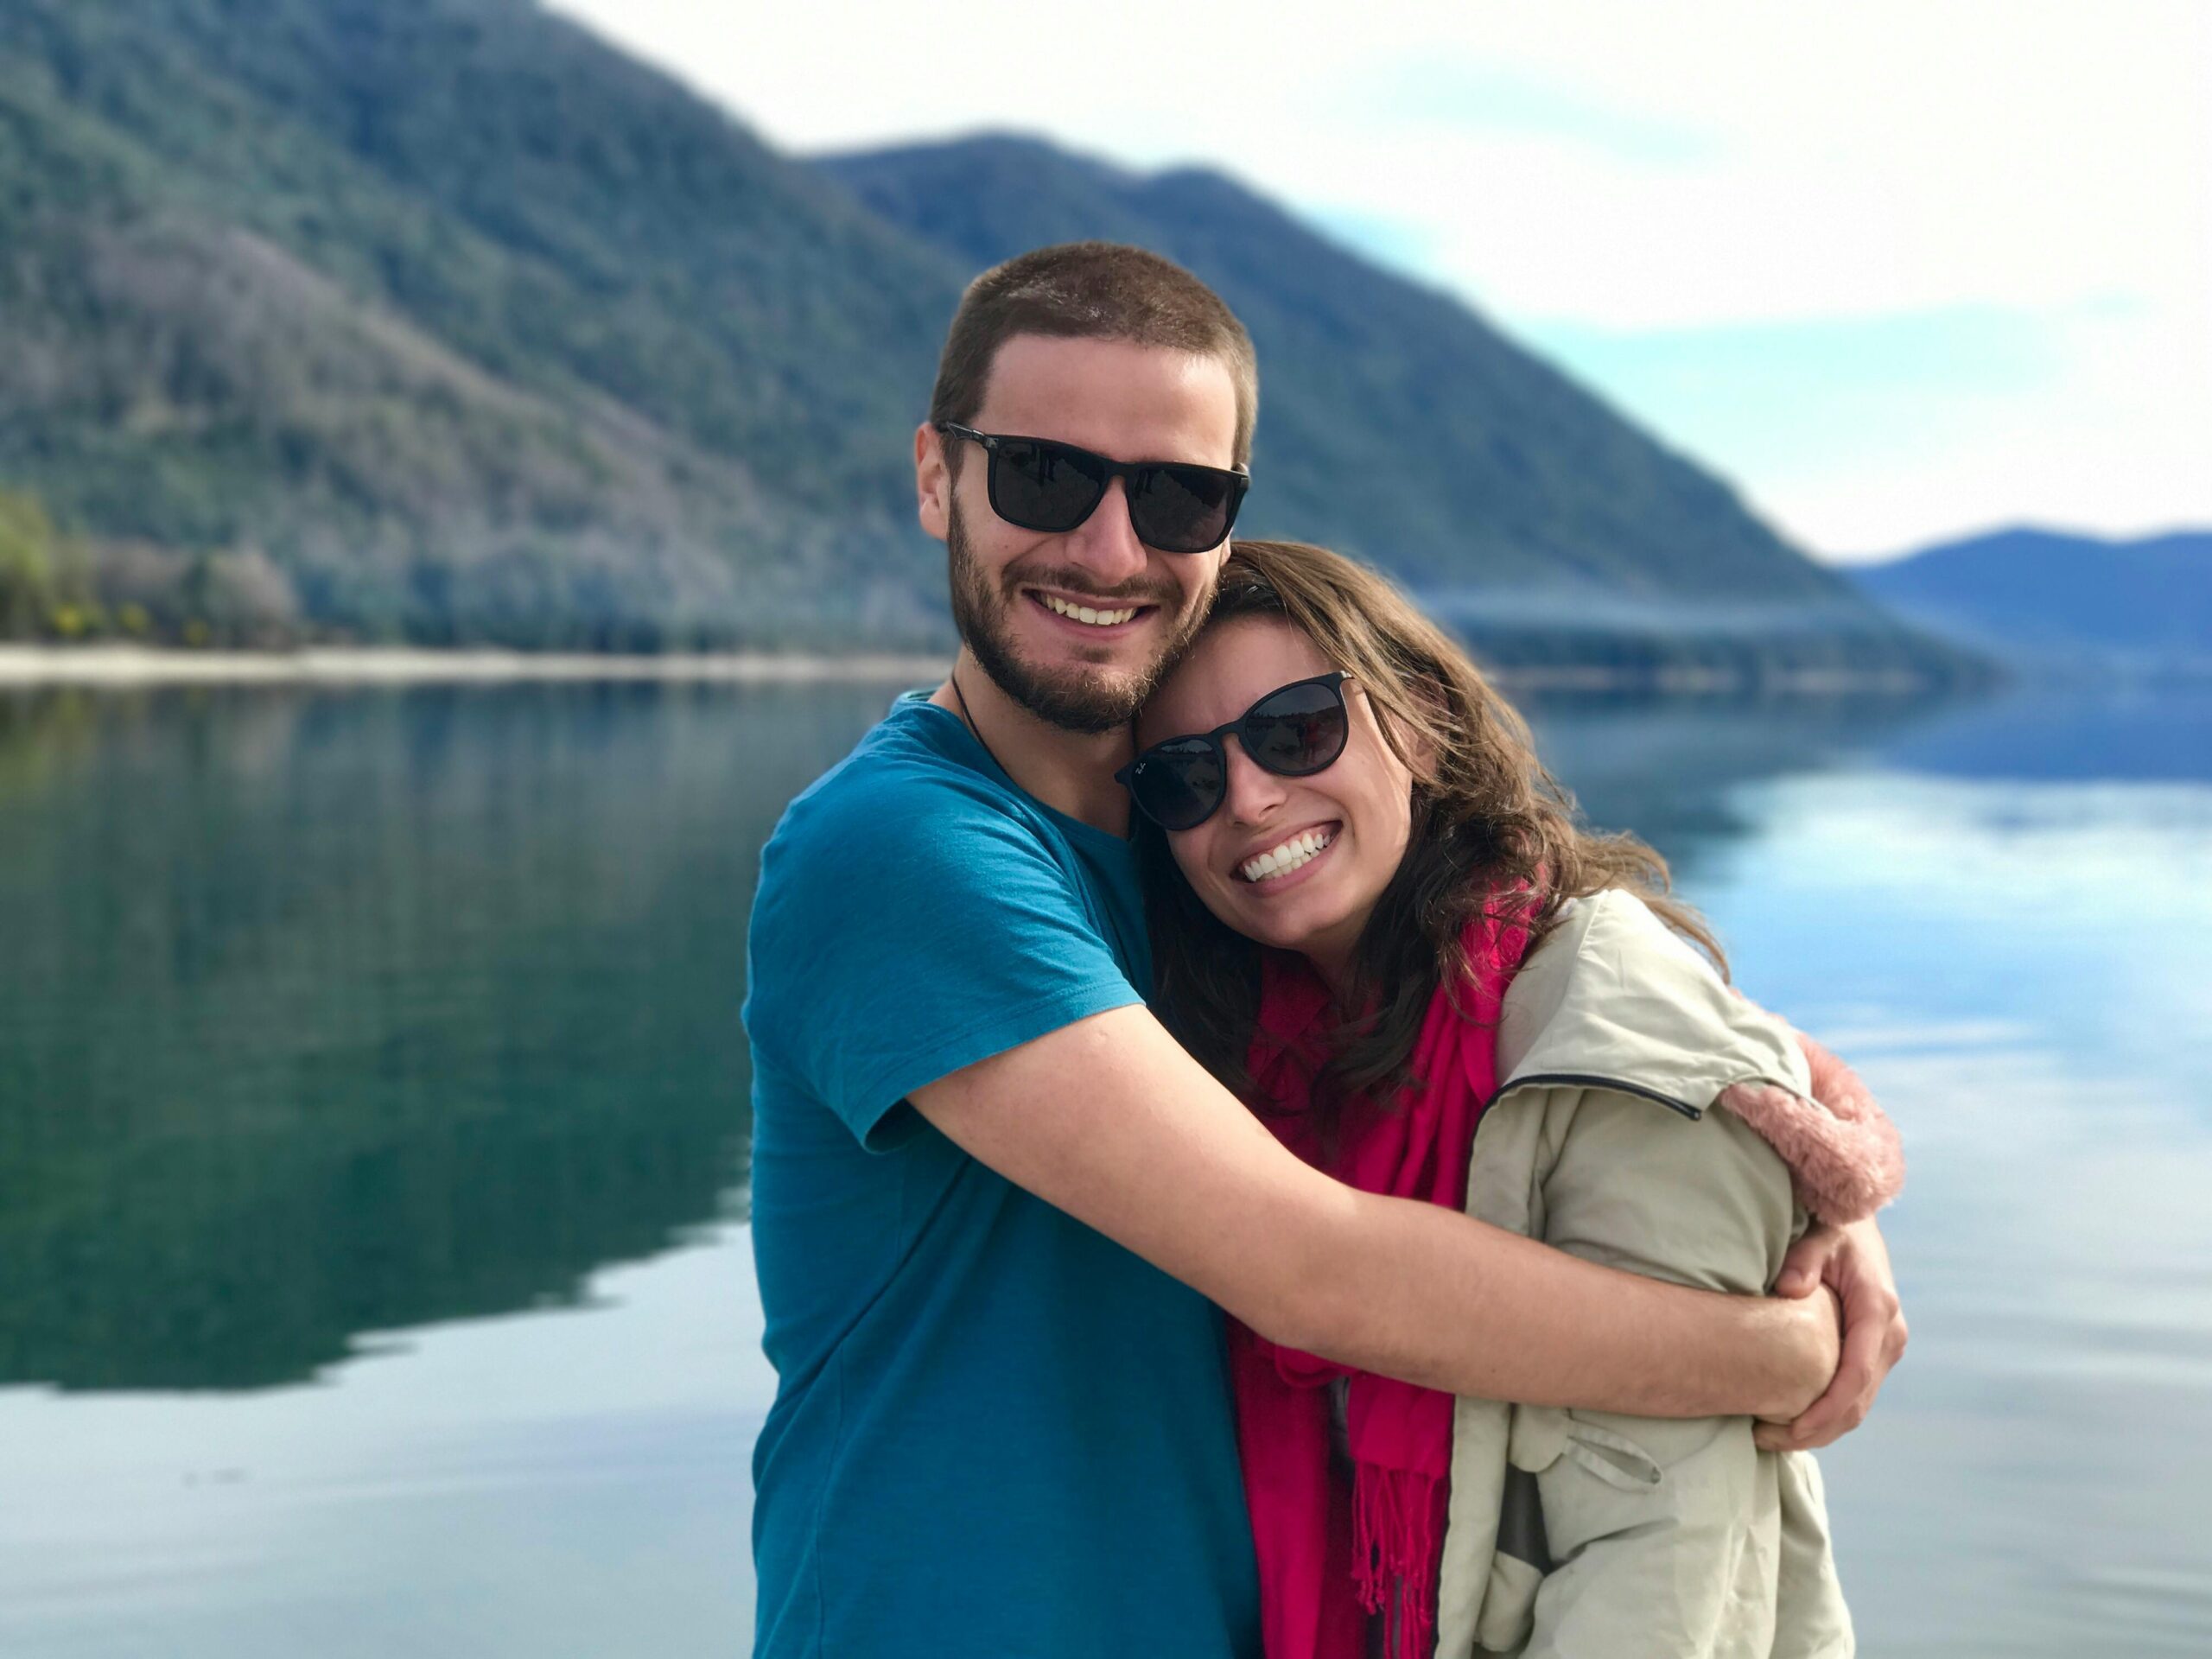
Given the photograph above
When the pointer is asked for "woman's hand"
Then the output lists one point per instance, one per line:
(1853, 1263)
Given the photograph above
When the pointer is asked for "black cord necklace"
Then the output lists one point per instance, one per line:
(968, 715)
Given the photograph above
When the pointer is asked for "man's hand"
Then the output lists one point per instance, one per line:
(1853, 1263)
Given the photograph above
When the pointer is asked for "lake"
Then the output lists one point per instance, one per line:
(373, 1272)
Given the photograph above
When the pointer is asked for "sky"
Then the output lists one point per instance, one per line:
(1900, 271)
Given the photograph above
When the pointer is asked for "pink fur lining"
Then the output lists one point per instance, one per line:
(1844, 1160)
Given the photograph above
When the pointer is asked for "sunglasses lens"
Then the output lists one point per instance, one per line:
(1299, 729)
(1178, 783)
(1183, 509)
(1043, 485)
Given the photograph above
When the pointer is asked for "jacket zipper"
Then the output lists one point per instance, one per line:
(1579, 1080)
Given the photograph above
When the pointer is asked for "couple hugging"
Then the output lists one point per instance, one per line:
(1237, 1170)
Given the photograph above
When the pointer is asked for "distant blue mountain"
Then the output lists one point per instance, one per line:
(2038, 594)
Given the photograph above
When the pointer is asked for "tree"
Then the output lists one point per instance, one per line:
(26, 564)
(242, 597)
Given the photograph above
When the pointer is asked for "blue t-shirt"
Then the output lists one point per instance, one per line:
(995, 1431)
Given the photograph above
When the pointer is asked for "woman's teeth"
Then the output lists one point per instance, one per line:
(1279, 860)
(1085, 614)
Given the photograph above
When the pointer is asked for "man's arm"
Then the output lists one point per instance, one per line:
(1110, 1120)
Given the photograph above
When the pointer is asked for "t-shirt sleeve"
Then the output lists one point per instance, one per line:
(906, 927)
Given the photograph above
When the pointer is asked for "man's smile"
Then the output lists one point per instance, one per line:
(1088, 615)
(1085, 614)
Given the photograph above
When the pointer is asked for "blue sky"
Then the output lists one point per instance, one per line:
(1900, 271)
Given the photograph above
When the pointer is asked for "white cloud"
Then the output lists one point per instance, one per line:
(1731, 164)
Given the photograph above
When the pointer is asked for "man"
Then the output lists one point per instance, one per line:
(996, 1207)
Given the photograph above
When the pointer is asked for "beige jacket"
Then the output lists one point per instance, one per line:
(1591, 1535)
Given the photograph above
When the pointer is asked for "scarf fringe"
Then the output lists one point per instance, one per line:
(1393, 1555)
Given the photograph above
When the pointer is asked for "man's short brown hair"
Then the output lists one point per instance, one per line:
(1091, 290)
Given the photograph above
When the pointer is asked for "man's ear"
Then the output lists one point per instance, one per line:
(932, 481)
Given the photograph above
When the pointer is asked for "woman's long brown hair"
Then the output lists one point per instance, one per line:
(1493, 833)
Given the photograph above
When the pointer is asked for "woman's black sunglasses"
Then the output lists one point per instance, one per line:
(1174, 505)
(1295, 731)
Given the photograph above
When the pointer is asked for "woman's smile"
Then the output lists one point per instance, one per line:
(1272, 867)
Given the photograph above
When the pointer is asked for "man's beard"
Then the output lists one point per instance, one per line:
(1069, 698)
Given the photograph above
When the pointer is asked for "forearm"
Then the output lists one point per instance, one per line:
(1414, 1291)
(1157, 1156)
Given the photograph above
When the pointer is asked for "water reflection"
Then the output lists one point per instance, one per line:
(329, 1012)
(2138, 735)
(326, 1013)
(1669, 768)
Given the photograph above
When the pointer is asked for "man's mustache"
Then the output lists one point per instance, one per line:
(1063, 580)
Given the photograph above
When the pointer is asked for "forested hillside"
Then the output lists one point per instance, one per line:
(440, 319)
(473, 325)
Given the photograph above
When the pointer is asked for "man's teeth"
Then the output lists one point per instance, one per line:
(1085, 614)
(1278, 861)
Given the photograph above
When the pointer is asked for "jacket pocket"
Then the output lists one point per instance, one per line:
(1541, 1435)
(1660, 1539)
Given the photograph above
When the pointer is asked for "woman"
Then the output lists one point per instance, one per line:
(1374, 918)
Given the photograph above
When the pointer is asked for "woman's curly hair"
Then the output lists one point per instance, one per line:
(1493, 833)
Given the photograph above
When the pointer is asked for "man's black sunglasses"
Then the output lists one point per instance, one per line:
(1295, 731)
(1174, 505)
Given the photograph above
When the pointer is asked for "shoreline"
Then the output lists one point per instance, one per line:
(121, 667)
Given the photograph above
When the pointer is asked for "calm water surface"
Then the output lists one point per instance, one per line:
(373, 1275)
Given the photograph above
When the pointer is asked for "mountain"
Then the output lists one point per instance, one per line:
(443, 320)
(457, 312)
(1398, 424)
(1393, 421)
(2044, 595)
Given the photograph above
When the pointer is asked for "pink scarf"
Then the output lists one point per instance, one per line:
(1326, 1556)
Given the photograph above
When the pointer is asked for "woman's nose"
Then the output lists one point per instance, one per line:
(1253, 790)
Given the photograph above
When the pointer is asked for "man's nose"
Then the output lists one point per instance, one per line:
(1105, 544)
(1252, 792)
